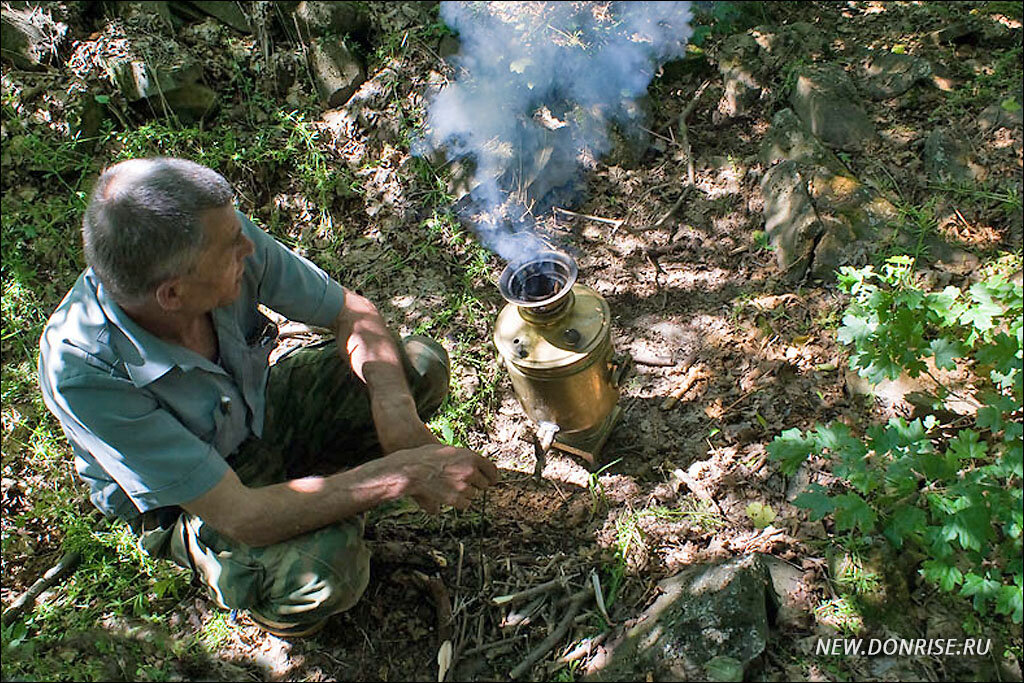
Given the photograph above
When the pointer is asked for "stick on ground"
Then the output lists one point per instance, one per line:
(575, 603)
(64, 567)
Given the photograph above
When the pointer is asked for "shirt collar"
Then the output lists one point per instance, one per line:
(146, 357)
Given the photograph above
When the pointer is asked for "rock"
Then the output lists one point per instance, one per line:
(228, 13)
(710, 622)
(160, 8)
(956, 34)
(789, 140)
(887, 74)
(139, 78)
(817, 214)
(738, 63)
(88, 120)
(331, 19)
(338, 73)
(825, 100)
(1003, 114)
(947, 157)
(29, 33)
(192, 101)
(784, 44)
(791, 222)
(447, 47)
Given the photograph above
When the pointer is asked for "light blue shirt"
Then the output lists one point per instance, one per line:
(151, 422)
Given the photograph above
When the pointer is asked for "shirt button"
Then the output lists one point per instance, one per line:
(225, 404)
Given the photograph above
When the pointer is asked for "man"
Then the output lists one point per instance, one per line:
(156, 365)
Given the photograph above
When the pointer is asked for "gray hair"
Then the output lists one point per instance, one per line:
(142, 225)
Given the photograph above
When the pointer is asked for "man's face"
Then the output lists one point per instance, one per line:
(216, 279)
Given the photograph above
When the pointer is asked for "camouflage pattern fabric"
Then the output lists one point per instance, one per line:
(318, 422)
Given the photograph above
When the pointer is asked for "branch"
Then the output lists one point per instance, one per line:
(575, 603)
(64, 567)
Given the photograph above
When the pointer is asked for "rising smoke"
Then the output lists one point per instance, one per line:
(536, 87)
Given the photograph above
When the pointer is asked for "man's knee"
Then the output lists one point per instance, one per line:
(428, 371)
(315, 575)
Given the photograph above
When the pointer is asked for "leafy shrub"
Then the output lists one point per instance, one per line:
(952, 491)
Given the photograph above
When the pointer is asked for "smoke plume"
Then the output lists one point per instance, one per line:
(536, 87)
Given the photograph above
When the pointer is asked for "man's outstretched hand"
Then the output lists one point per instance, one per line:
(436, 475)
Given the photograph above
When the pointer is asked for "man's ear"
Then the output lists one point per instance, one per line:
(168, 294)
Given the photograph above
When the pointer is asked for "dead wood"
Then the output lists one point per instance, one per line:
(67, 564)
(575, 604)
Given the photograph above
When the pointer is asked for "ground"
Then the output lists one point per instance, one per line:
(695, 289)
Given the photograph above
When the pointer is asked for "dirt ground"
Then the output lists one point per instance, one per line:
(693, 294)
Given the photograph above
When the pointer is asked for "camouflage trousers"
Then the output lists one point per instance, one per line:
(318, 421)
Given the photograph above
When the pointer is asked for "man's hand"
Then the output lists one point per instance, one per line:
(442, 475)
(432, 475)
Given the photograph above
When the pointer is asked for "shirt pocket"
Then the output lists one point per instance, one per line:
(229, 428)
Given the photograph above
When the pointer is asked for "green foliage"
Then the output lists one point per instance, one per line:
(725, 18)
(954, 493)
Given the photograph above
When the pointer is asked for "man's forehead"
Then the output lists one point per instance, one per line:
(221, 223)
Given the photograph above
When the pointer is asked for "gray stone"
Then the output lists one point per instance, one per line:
(817, 214)
(739, 62)
(946, 157)
(960, 32)
(192, 101)
(338, 72)
(789, 140)
(139, 78)
(228, 13)
(997, 116)
(447, 47)
(791, 222)
(887, 74)
(710, 622)
(330, 19)
(825, 100)
(784, 44)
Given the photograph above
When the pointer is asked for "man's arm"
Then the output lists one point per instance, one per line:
(434, 475)
(375, 359)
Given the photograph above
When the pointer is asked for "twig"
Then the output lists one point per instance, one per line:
(435, 586)
(654, 361)
(67, 564)
(610, 221)
(675, 207)
(493, 646)
(529, 592)
(683, 129)
(575, 603)
(728, 408)
(689, 378)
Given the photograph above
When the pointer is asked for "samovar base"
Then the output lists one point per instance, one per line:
(588, 444)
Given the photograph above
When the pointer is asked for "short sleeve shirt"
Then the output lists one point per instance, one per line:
(152, 423)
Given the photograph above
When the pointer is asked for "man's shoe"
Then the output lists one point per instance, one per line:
(430, 361)
(288, 630)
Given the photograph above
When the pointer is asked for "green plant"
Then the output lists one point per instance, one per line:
(951, 490)
(596, 488)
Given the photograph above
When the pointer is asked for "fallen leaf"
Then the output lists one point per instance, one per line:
(444, 660)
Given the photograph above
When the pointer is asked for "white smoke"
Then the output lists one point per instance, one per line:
(536, 87)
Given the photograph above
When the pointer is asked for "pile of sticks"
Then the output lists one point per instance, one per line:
(561, 603)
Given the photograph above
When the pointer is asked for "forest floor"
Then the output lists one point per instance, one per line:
(700, 290)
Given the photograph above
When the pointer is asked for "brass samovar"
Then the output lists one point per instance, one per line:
(555, 338)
